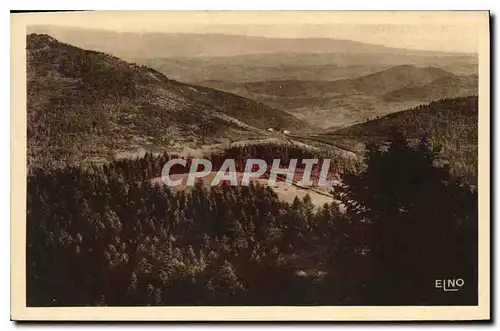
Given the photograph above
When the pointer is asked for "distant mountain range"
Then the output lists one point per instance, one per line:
(200, 58)
(84, 104)
(377, 83)
(130, 45)
(293, 66)
(347, 101)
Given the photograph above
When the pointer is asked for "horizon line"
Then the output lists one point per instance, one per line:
(145, 32)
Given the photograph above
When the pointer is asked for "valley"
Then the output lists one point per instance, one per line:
(122, 110)
(344, 102)
(107, 110)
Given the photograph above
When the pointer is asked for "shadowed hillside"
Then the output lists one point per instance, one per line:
(441, 88)
(450, 125)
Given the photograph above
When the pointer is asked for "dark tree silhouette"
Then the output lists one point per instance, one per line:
(413, 222)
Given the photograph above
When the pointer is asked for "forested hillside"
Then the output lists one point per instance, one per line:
(105, 231)
(89, 105)
(105, 236)
(449, 124)
(442, 88)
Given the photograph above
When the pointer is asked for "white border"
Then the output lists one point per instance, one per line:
(186, 4)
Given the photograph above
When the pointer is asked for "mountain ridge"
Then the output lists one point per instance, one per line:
(375, 83)
(77, 95)
(346, 101)
(441, 88)
(160, 44)
(450, 125)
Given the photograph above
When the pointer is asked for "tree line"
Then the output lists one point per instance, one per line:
(105, 235)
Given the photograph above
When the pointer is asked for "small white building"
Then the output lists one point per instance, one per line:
(286, 132)
(270, 130)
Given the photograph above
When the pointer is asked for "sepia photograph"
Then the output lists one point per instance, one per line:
(250, 165)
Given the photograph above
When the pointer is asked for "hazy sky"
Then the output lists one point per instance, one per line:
(440, 31)
(439, 38)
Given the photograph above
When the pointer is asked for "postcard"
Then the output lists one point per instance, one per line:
(250, 166)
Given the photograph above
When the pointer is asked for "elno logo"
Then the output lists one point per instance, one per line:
(449, 284)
